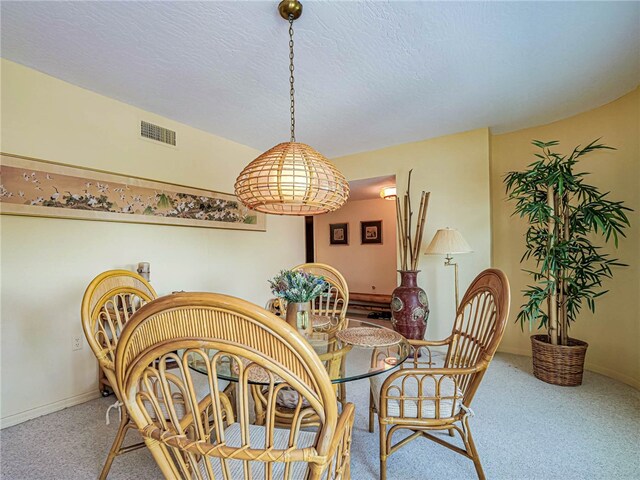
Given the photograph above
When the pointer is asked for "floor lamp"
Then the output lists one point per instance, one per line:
(449, 242)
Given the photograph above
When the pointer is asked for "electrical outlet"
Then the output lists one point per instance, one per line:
(77, 342)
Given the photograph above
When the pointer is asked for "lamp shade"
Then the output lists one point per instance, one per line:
(292, 179)
(447, 241)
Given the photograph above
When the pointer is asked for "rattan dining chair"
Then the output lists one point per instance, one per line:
(212, 329)
(422, 399)
(108, 303)
(335, 303)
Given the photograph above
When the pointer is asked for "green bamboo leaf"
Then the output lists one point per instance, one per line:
(576, 265)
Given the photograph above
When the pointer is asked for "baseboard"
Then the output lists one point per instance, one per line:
(607, 372)
(11, 420)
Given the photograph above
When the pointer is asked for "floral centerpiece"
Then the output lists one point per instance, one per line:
(296, 286)
(298, 289)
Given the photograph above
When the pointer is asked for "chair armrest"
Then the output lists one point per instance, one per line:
(430, 343)
(340, 448)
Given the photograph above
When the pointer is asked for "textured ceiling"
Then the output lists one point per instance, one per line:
(368, 74)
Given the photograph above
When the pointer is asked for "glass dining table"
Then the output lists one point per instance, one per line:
(345, 362)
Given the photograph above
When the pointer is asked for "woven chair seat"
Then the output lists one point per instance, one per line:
(257, 436)
(428, 410)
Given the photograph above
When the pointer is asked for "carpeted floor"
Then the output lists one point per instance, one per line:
(524, 429)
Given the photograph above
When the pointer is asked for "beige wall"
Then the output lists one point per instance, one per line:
(613, 333)
(47, 263)
(368, 268)
(455, 169)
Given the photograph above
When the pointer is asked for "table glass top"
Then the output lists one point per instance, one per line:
(344, 362)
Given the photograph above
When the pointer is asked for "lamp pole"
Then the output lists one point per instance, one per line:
(448, 242)
(448, 262)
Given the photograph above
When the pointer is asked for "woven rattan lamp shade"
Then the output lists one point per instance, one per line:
(292, 179)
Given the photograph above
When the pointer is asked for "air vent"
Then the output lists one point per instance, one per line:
(157, 133)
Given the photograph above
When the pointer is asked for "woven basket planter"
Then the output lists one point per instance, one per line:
(558, 364)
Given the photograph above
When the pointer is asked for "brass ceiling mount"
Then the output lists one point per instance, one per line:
(290, 8)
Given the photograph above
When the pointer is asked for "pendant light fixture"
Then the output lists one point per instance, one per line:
(389, 193)
(292, 178)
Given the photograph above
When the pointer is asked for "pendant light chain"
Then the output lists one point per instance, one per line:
(291, 79)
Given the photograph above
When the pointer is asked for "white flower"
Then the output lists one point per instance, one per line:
(200, 215)
(92, 202)
(102, 187)
(37, 201)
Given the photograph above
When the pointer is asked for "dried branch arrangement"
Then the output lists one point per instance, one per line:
(410, 243)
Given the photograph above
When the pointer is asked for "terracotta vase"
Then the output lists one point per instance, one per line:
(409, 306)
(298, 316)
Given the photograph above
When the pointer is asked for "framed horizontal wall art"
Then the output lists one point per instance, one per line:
(339, 234)
(371, 232)
(40, 188)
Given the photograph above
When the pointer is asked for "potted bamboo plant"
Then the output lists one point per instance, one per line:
(565, 215)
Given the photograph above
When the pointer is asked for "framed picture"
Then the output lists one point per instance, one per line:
(371, 232)
(33, 187)
(339, 234)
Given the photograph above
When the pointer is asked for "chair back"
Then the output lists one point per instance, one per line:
(108, 303)
(480, 323)
(221, 333)
(337, 300)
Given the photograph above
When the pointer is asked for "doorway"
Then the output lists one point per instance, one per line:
(359, 240)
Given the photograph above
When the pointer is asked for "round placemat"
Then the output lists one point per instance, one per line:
(369, 336)
(320, 321)
(256, 374)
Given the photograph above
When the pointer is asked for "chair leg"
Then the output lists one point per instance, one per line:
(117, 444)
(371, 411)
(342, 394)
(471, 449)
(383, 450)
